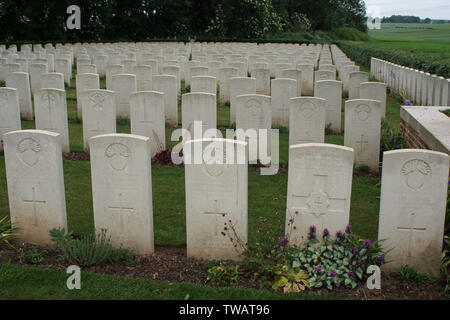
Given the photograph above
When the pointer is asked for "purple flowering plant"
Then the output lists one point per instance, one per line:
(338, 259)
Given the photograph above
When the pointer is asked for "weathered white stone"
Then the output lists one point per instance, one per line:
(362, 131)
(198, 107)
(282, 90)
(254, 112)
(295, 75)
(168, 86)
(331, 91)
(354, 82)
(412, 208)
(307, 79)
(36, 71)
(240, 86)
(99, 113)
(225, 75)
(51, 114)
(65, 67)
(86, 68)
(9, 112)
(306, 120)
(206, 84)
(324, 75)
(143, 77)
(52, 80)
(173, 71)
(101, 61)
(21, 82)
(148, 118)
(112, 70)
(123, 85)
(122, 190)
(344, 76)
(35, 180)
(319, 189)
(262, 77)
(374, 91)
(217, 195)
(85, 81)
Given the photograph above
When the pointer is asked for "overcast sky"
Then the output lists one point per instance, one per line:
(434, 9)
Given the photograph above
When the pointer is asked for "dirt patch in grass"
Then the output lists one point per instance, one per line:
(76, 156)
(172, 264)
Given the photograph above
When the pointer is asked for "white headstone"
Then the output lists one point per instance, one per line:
(374, 91)
(36, 71)
(262, 77)
(99, 113)
(217, 194)
(307, 79)
(168, 86)
(282, 90)
(319, 189)
(85, 81)
(65, 67)
(254, 112)
(51, 114)
(21, 82)
(295, 75)
(143, 78)
(35, 179)
(123, 85)
(205, 84)
(307, 120)
(412, 208)
(199, 107)
(9, 112)
(52, 80)
(122, 190)
(331, 91)
(148, 119)
(225, 75)
(110, 71)
(362, 131)
(240, 86)
(354, 82)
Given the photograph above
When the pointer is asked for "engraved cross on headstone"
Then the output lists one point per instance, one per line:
(34, 201)
(121, 210)
(317, 203)
(411, 228)
(216, 214)
(362, 143)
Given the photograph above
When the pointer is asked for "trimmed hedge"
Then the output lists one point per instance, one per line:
(423, 62)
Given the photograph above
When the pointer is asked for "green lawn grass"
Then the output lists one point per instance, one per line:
(39, 284)
(267, 195)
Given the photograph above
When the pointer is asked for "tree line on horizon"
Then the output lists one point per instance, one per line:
(140, 20)
(411, 19)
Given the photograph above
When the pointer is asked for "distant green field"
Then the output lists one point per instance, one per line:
(412, 32)
(433, 39)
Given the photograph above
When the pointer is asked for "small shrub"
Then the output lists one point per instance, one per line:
(290, 279)
(222, 274)
(89, 250)
(408, 274)
(446, 112)
(363, 168)
(32, 256)
(7, 232)
(282, 129)
(445, 265)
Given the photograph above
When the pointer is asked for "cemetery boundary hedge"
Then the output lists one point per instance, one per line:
(423, 62)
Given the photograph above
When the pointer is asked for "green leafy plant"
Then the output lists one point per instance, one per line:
(222, 274)
(32, 256)
(123, 122)
(408, 274)
(445, 265)
(336, 262)
(7, 232)
(89, 250)
(290, 279)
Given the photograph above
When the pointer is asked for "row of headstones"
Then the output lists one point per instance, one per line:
(307, 116)
(421, 88)
(412, 209)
